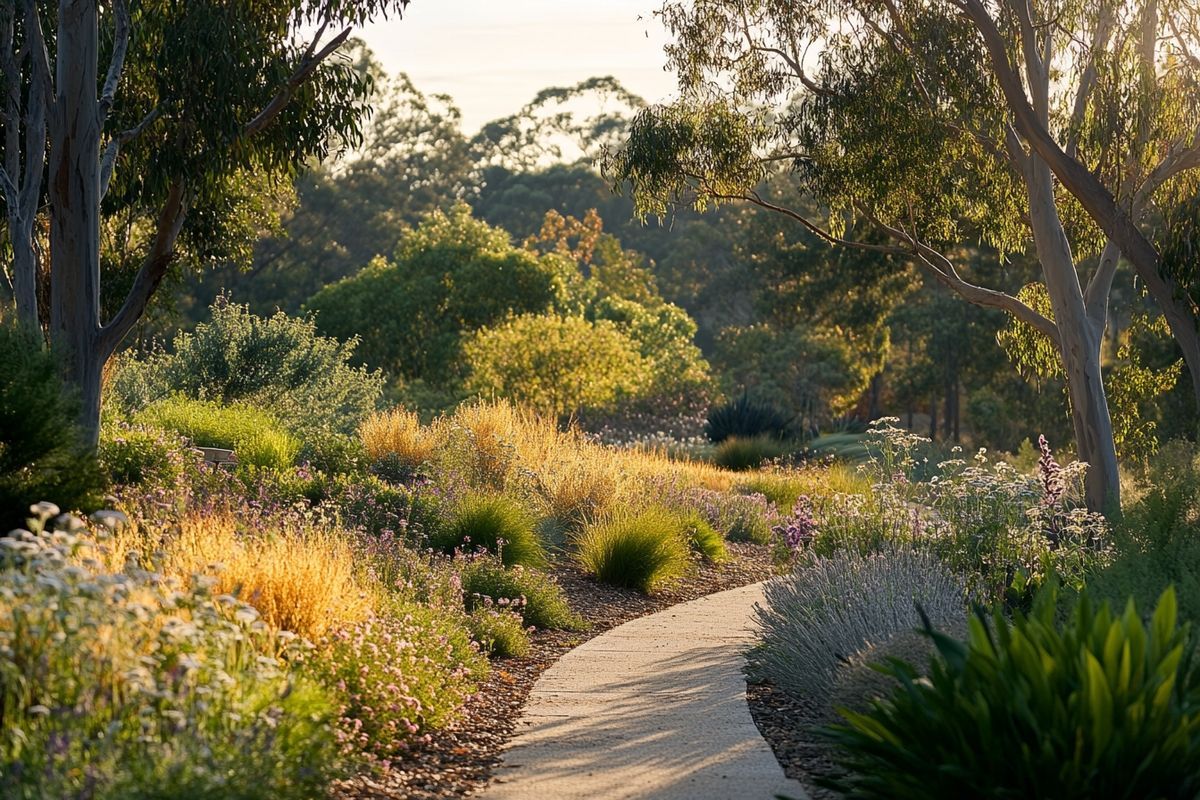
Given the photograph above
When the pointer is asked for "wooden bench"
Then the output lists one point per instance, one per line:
(218, 457)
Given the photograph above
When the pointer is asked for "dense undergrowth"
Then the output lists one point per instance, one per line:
(316, 608)
(313, 610)
(975, 632)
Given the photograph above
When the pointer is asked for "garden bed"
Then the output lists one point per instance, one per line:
(789, 725)
(458, 760)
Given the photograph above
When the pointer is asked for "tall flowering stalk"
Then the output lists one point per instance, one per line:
(1051, 475)
(798, 530)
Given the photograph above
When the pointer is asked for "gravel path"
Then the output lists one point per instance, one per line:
(655, 708)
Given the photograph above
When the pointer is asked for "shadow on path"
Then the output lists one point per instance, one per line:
(655, 708)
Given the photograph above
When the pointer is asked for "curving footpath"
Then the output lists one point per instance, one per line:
(655, 708)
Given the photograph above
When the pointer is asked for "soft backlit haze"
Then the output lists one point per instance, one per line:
(492, 57)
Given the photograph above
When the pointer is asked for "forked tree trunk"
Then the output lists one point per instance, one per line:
(74, 184)
(1080, 340)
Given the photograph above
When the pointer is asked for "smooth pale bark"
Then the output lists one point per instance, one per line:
(1080, 340)
(23, 171)
(1100, 203)
(75, 206)
(20, 234)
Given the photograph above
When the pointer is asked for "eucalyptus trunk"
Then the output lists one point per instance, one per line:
(74, 185)
(1080, 340)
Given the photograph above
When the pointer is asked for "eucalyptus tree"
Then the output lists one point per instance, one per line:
(1060, 126)
(159, 106)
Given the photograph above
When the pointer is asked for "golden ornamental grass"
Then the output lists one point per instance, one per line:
(299, 580)
(398, 433)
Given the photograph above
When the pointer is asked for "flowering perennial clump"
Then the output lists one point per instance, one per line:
(798, 530)
(397, 677)
(117, 684)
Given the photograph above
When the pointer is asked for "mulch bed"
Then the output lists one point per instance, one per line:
(458, 761)
(789, 725)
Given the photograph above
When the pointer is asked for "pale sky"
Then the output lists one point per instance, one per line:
(492, 56)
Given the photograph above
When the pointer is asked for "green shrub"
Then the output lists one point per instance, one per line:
(255, 436)
(544, 605)
(398, 675)
(745, 419)
(131, 686)
(1101, 705)
(556, 365)
(440, 284)
(703, 538)
(276, 363)
(499, 630)
(495, 522)
(779, 489)
(740, 454)
(641, 550)
(333, 453)
(145, 457)
(830, 608)
(1158, 538)
(41, 452)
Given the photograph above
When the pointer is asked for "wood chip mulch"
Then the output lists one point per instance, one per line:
(458, 761)
(790, 726)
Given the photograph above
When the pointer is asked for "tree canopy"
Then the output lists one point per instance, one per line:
(156, 112)
(1058, 128)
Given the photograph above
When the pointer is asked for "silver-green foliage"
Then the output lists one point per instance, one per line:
(278, 363)
(831, 607)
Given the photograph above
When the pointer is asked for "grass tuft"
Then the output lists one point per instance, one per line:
(497, 523)
(640, 551)
(741, 454)
(256, 437)
(398, 434)
(704, 538)
(299, 581)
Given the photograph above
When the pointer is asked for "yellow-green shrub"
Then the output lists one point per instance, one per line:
(256, 437)
(556, 364)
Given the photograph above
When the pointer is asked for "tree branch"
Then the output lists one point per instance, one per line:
(117, 64)
(1074, 176)
(1095, 297)
(108, 160)
(933, 262)
(10, 69)
(9, 190)
(944, 272)
(308, 65)
(39, 54)
(35, 116)
(1036, 71)
(150, 275)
